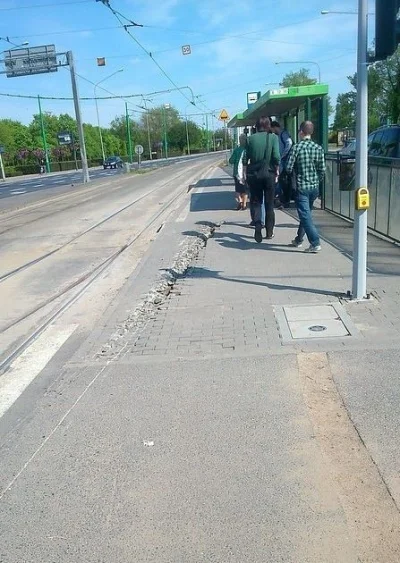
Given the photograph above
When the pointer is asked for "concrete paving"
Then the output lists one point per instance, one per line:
(206, 435)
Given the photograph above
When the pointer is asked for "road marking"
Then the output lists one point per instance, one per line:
(16, 192)
(37, 185)
(30, 363)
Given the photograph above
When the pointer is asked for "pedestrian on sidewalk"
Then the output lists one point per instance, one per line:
(236, 160)
(283, 190)
(261, 161)
(307, 162)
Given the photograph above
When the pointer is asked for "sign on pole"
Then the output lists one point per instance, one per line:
(65, 138)
(223, 116)
(186, 50)
(252, 98)
(30, 60)
(139, 151)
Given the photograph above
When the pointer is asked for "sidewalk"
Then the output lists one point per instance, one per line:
(222, 428)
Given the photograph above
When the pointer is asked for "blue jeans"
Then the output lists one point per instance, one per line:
(304, 203)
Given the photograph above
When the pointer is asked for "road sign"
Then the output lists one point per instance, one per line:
(186, 50)
(252, 98)
(2, 149)
(101, 61)
(65, 138)
(139, 149)
(223, 116)
(30, 60)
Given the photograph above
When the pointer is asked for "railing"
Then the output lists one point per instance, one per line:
(384, 187)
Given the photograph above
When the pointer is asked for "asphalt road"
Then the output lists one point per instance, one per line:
(32, 184)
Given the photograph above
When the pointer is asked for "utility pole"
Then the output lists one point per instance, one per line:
(3, 174)
(43, 133)
(164, 107)
(85, 168)
(359, 289)
(148, 128)
(207, 139)
(128, 133)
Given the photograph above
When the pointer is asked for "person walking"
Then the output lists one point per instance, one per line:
(283, 191)
(236, 160)
(261, 162)
(307, 162)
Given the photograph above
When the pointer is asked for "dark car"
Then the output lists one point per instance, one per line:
(385, 142)
(112, 162)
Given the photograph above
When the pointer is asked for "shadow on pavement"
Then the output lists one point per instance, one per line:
(214, 201)
(198, 272)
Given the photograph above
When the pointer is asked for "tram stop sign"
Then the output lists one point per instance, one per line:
(139, 149)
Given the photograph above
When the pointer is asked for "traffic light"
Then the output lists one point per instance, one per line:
(387, 24)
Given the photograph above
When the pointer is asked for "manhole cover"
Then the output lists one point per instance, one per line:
(317, 328)
(314, 321)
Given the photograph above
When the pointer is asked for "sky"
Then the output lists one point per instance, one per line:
(234, 48)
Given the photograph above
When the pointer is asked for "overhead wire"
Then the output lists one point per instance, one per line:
(49, 5)
(131, 23)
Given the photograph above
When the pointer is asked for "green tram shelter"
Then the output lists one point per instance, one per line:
(290, 106)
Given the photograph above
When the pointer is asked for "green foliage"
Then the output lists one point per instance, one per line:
(383, 96)
(24, 143)
(298, 78)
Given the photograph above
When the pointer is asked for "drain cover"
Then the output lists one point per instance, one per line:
(312, 321)
(317, 328)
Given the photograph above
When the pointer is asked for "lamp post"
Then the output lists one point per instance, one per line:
(148, 126)
(97, 108)
(187, 129)
(7, 40)
(164, 107)
(302, 62)
(359, 279)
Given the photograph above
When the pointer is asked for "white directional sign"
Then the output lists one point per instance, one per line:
(139, 149)
(31, 60)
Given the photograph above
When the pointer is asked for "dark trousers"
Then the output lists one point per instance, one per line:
(263, 190)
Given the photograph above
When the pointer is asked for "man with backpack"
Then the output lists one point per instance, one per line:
(307, 162)
(283, 188)
(261, 162)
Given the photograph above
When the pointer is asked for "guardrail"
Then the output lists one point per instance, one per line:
(384, 187)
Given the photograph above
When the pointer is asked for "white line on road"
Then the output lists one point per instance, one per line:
(16, 192)
(37, 185)
(30, 363)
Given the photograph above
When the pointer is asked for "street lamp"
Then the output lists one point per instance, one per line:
(302, 62)
(359, 277)
(97, 108)
(7, 40)
(147, 124)
(325, 12)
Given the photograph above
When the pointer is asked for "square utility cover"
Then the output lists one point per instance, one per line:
(313, 321)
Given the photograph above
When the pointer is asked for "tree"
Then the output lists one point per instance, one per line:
(345, 115)
(298, 78)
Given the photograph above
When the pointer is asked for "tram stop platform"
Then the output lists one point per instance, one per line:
(245, 410)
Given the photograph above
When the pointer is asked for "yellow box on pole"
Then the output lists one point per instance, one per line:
(362, 199)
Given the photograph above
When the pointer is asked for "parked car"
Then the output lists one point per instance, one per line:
(385, 142)
(112, 162)
(349, 150)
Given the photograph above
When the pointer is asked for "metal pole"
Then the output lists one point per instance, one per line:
(359, 289)
(165, 134)
(3, 174)
(98, 125)
(43, 132)
(128, 133)
(187, 135)
(82, 146)
(207, 139)
(148, 128)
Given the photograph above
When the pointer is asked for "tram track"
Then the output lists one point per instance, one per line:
(83, 283)
(30, 263)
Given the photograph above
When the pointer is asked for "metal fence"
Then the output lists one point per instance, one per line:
(384, 187)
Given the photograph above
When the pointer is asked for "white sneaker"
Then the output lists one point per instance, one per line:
(296, 244)
(313, 249)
